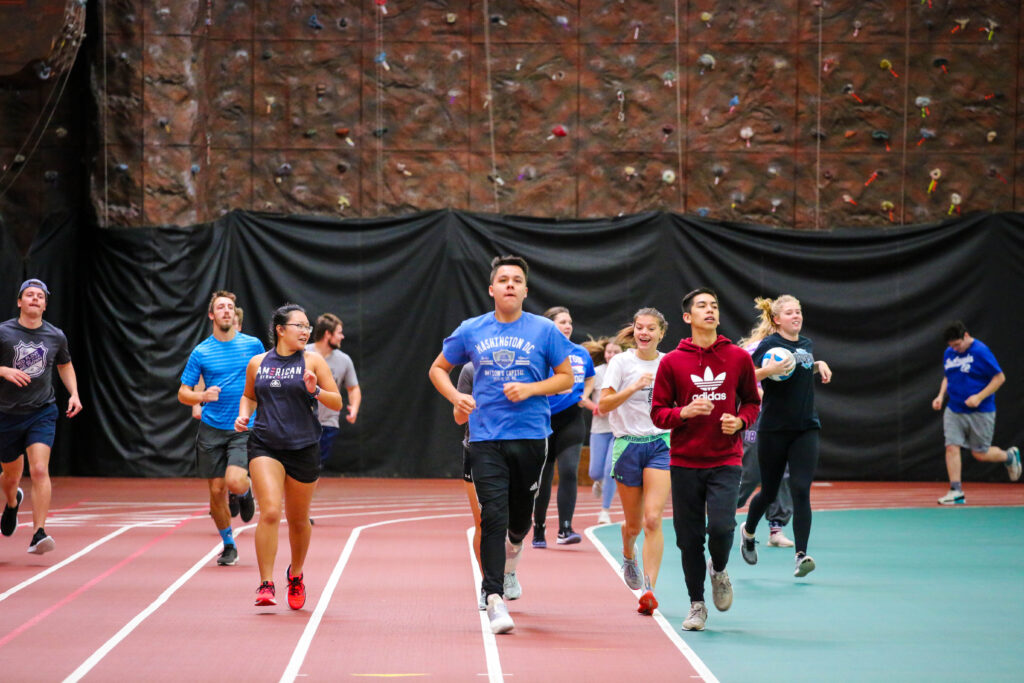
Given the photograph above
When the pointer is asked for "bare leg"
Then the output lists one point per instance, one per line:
(219, 503)
(297, 498)
(474, 505)
(657, 488)
(39, 470)
(237, 480)
(632, 498)
(953, 462)
(268, 486)
(993, 454)
(9, 480)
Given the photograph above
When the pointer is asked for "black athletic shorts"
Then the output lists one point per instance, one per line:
(302, 465)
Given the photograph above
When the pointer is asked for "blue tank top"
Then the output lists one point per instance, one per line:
(286, 416)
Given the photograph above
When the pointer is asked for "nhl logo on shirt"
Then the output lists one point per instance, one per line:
(30, 358)
(504, 358)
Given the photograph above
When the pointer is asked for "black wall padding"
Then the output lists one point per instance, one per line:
(874, 301)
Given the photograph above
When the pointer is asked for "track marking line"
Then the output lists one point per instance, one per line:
(302, 647)
(695, 661)
(105, 649)
(494, 672)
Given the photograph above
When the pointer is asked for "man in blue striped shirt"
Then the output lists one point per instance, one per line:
(221, 456)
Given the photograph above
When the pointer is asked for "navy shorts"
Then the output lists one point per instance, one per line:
(631, 455)
(19, 431)
(301, 464)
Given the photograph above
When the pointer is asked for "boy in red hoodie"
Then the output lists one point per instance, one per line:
(706, 393)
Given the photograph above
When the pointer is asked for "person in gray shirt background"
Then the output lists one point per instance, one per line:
(327, 336)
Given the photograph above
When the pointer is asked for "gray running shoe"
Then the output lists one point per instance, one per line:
(1013, 464)
(631, 571)
(697, 618)
(228, 556)
(721, 588)
(748, 546)
(498, 615)
(512, 589)
(804, 565)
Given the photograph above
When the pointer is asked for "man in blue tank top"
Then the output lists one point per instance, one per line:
(221, 457)
(513, 354)
(29, 348)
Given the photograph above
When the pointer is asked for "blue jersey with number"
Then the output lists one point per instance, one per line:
(968, 373)
(582, 368)
(222, 364)
(526, 350)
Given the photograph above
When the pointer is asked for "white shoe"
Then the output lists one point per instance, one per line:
(697, 618)
(498, 614)
(1013, 464)
(804, 565)
(953, 497)
(721, 588)
(597, 488)
(604, 517)
(511, 588)
(779, 540)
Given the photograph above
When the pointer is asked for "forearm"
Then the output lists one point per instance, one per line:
(189, 397)
(610, 402)
(552, 385)
(992, 387)
(246, 407)
(70, 380)
(355, 398)
(329, 399)
(442, 381)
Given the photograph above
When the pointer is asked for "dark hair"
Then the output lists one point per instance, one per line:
(553, 312)
(280, 317)
(509, 260)
(688, 299)
(325, 324)
(954, 330)
(218, 294)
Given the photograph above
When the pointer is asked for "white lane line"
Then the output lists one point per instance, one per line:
(302, 647)
(696, 662)
(105, 649)
(63, 563)
(494, 673)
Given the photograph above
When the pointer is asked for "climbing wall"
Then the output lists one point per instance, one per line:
(795, 113)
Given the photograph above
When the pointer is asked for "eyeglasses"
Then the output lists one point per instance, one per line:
(304, 328)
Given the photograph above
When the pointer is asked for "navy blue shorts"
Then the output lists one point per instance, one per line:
(631, 455)
(19, 431)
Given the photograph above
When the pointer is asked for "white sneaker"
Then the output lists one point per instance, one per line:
(721, 588)
(953, 497)
(512, 589)
(597, 488)
(804, 565)
(497, 613)
(1013, 464)
(604, 517)
(779, 540)
(697, 618)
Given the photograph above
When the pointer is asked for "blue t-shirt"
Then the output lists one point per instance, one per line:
(522, 351)
(222, 364)
(968, 373)
(582, 368)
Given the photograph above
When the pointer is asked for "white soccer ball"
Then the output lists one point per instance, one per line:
(782, 354)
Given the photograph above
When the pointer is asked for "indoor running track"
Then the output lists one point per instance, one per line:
(133, 591)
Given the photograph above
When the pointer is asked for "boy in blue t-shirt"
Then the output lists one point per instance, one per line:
(513, 355)
(972, 377)
(221, 457)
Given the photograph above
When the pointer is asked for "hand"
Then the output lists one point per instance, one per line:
(518, 391)
(825, 371)
(74, 406)
(937, 403)
(731, 424)
(699, 406)
(211, 395)
(15, 376)
(597, 410)
(351, 417)
(778, 367)
(464, 403)
(309, 377)
(645, 381)
(241, 424)
(972, 401)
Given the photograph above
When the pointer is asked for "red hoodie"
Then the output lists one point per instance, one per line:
(724, 374)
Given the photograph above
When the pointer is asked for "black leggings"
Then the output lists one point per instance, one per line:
(564, 446)
(774, 451)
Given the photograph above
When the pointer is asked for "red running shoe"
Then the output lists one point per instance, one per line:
(648, 603)
(265, 594)
(296, 590)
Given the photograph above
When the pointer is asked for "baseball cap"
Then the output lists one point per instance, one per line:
(33, 283)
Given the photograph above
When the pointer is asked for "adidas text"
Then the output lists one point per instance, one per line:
(709, 396)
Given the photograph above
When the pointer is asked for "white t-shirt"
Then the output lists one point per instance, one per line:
(633, 417)
(600, 423)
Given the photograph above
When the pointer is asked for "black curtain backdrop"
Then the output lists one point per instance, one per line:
(875, 301)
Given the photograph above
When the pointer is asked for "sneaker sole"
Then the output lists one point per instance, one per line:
(569, 541)
(648, 603)
(265, 602)
(958, 501)
(804, 569)
(502, 626)
(692, 628)
(44, 546)
(540, 545)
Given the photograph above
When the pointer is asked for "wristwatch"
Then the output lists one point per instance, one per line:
(315, 393)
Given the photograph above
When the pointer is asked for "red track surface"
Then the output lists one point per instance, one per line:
(147, 601)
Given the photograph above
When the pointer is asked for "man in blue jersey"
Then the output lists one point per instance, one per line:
(513, 354)
(221, 456)
(29, 348)
(972, 377)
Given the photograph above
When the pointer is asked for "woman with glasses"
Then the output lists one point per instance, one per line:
(285, 383)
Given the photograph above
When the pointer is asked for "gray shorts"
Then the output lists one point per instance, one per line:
(969, 430)
(218, 448)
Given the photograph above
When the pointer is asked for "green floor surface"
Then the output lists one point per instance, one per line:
(899, 595)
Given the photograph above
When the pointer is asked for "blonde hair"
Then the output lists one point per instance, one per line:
(596, 348)
(765, 326)
(625, 336)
